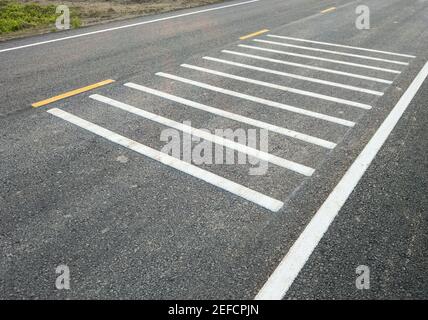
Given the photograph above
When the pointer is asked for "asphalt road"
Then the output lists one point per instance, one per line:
(128, 226)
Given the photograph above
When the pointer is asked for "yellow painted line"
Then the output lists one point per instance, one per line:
(328, 10)
(254, 34)
(71, 93)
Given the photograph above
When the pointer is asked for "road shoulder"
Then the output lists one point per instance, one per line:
(383, 224)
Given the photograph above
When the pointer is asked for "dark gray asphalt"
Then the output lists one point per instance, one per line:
(129, 227)
(383, 225)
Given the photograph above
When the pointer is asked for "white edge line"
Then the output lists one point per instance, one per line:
(282, 278)
(128, 26)
(236, 117)
(287, 164)
(209, 177)
(343, 46)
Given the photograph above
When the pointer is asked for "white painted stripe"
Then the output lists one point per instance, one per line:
(282, 278)
(299, 65)
(260, 100)
(220, 182)
(287, 164)
(296, 76)
(236, 117)
(283, 88)
(128, 25)
(337, 53)
(343, 46)
(321, 59)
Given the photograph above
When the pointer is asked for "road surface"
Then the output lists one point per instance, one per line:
(83, 181)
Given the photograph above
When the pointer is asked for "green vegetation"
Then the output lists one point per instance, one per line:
(16, 16)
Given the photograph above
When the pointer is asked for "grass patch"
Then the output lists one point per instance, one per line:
(28, 17)
(16, 16)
